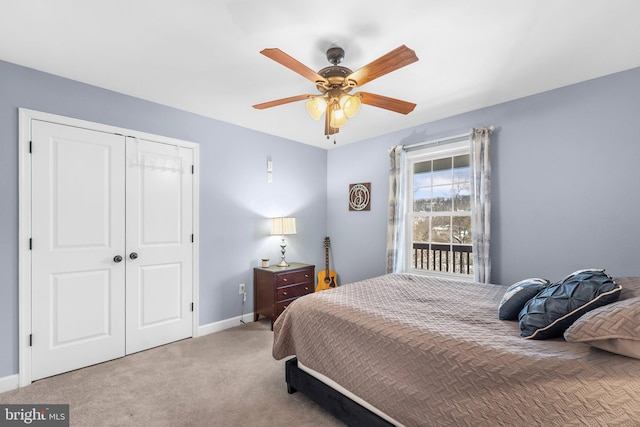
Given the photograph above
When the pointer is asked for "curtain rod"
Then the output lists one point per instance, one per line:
(447, 140)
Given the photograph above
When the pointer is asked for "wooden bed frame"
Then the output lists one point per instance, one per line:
(334, 402)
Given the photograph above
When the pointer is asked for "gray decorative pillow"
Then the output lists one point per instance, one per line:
(517, 295)
(556, 307)
(614, 328)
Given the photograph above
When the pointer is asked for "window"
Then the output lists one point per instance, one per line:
(438, 210)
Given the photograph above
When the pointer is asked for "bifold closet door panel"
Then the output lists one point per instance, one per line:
(78, 218)
(159, 229)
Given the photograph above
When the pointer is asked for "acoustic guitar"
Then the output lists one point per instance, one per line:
(326, 277)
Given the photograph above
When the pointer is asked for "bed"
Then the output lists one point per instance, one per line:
(411, 350)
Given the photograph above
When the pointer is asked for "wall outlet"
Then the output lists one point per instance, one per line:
(241, 290)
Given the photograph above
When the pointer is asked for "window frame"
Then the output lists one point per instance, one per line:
(416, 156)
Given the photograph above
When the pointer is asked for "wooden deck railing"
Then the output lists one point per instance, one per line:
(440, 257)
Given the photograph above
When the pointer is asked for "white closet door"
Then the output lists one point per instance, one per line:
(78, 214)
(159, 244)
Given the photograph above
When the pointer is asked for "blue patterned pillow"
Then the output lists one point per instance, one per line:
(555, 308)
(517, 296)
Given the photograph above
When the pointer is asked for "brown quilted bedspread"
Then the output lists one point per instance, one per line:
(432, 352)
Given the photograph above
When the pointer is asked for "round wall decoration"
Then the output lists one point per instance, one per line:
(360, 197)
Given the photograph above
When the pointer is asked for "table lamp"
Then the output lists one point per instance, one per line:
(282, 226)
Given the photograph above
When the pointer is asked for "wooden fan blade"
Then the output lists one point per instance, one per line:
(328, 130)
(293, 64)
(280, 101)
(393, 60)
(387, 103)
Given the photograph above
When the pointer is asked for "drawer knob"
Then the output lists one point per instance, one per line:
(284, 293)
(285, 307)
(284, 280)
(306, 288)
(306, 275)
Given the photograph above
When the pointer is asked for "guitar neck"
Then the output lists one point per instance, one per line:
(326, 260)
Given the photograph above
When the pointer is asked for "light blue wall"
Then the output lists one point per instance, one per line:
(565, 168)
(235, 198)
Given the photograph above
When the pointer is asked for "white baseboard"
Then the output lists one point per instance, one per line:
(9, 383)
(223, 324)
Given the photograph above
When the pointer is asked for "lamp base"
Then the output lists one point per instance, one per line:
(283, 245)
(283, 263)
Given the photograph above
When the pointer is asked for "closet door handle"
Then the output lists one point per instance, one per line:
(133, 255)
(117, 258)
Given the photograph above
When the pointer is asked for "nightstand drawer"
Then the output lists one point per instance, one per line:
(294, 277)
(282, 306)
(295, 291)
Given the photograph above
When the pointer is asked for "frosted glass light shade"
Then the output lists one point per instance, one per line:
(338, 119)
(316, 107)
(350, 105)
(282, 226)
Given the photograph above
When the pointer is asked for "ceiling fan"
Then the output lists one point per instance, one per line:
(335, 83)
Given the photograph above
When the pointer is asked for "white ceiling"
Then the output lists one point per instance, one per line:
(203, 56)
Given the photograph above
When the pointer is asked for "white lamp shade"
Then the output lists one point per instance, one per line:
(282, 226)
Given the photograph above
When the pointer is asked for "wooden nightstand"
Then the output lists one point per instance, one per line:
(274, 288)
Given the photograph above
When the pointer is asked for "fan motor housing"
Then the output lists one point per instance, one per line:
(335, 75)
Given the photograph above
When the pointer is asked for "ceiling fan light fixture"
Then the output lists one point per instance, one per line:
(335, 82)
(316, 106)
(350, 105)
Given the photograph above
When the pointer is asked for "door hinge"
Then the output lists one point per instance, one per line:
(30, 142)
(192, 238)
(193, 168)
(30, 243)
(30, 340)
(191, 306)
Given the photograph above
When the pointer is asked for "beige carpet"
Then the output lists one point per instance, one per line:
(223, 379)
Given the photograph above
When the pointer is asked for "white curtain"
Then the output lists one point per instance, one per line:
(396, 226)
(481, 203)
